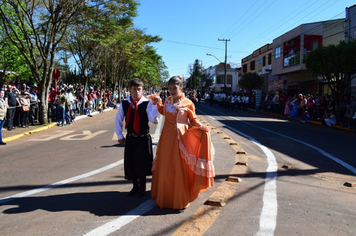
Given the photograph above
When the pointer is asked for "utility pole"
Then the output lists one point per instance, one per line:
(225, 79)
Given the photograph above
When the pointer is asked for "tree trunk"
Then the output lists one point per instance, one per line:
(43, 105)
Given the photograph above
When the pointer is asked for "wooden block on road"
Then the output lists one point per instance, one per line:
(215, 202)
(233, 179)
(348, 184)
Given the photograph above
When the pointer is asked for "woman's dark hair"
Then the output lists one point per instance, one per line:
(176, 80)
(136, 82)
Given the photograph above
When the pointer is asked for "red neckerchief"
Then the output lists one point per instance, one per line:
(136, 125)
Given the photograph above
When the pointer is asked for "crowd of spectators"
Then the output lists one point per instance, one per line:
(65, 101)
(21, 101)
(231, 101)
(314, 107)
(306, 107)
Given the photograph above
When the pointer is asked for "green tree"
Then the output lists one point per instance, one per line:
(92, 37)
(195, 72)
(10, 57)
(36, 28)
(251, 81)
(336, 64)
(135, 58)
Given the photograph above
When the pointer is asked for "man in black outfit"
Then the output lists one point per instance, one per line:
(137, 111)
(11, 101)
(211, 98)
(34, 105)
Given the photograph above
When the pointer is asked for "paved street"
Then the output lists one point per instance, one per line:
(69, 181)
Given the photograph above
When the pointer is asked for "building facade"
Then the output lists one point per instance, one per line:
(350, 34)
(260, 62)
(214, 78)
(291, 48)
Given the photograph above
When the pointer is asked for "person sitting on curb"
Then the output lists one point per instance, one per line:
(305, 116)
(347, 119)
(330, 119)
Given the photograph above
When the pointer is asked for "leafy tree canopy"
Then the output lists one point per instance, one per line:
(251, 81)
(336, 64)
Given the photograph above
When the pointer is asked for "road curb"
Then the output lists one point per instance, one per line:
(17, 136)
(310, 121)
(48, 126)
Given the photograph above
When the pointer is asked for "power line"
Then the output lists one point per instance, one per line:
(237, 20)
(245, 25)
(263, 38)
(280, 23)
(315, 28)
(195, 45)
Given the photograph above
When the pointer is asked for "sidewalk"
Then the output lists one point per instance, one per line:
(19, 132)
(310, 121)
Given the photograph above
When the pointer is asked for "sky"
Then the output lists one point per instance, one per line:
(192, 28)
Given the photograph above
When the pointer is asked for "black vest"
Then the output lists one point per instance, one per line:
(144, 128)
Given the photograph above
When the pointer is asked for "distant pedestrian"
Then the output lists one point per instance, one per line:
(11, 101)
(34, 104)
(211, 98)
(3, 109)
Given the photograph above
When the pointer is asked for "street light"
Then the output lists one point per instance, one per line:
(225, 80)
(213, 56)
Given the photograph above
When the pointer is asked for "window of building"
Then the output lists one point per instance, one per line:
(220, 79)
(229, 79)
(252, 65)
(264, 61)
(269, 58)
(244, 68)
(278, 52)
(314, 45)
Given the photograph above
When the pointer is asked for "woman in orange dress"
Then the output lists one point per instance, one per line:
(183, 167)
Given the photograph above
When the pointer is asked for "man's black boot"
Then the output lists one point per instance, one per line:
(134, 189)
(142, 186)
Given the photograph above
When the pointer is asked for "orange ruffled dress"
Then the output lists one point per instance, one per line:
(183, 167)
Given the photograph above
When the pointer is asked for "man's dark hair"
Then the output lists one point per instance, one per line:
(136, 82)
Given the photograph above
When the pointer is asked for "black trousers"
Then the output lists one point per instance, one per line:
(138, 157)
(10, 117)
(33, 115)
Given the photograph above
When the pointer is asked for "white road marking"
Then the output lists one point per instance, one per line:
(57, 184)
(113, 225)
(328, 155)
(268, 218)
(87, 134)
(51, 136)
(116, 224)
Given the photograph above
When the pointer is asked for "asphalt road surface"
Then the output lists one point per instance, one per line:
(287, 179)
